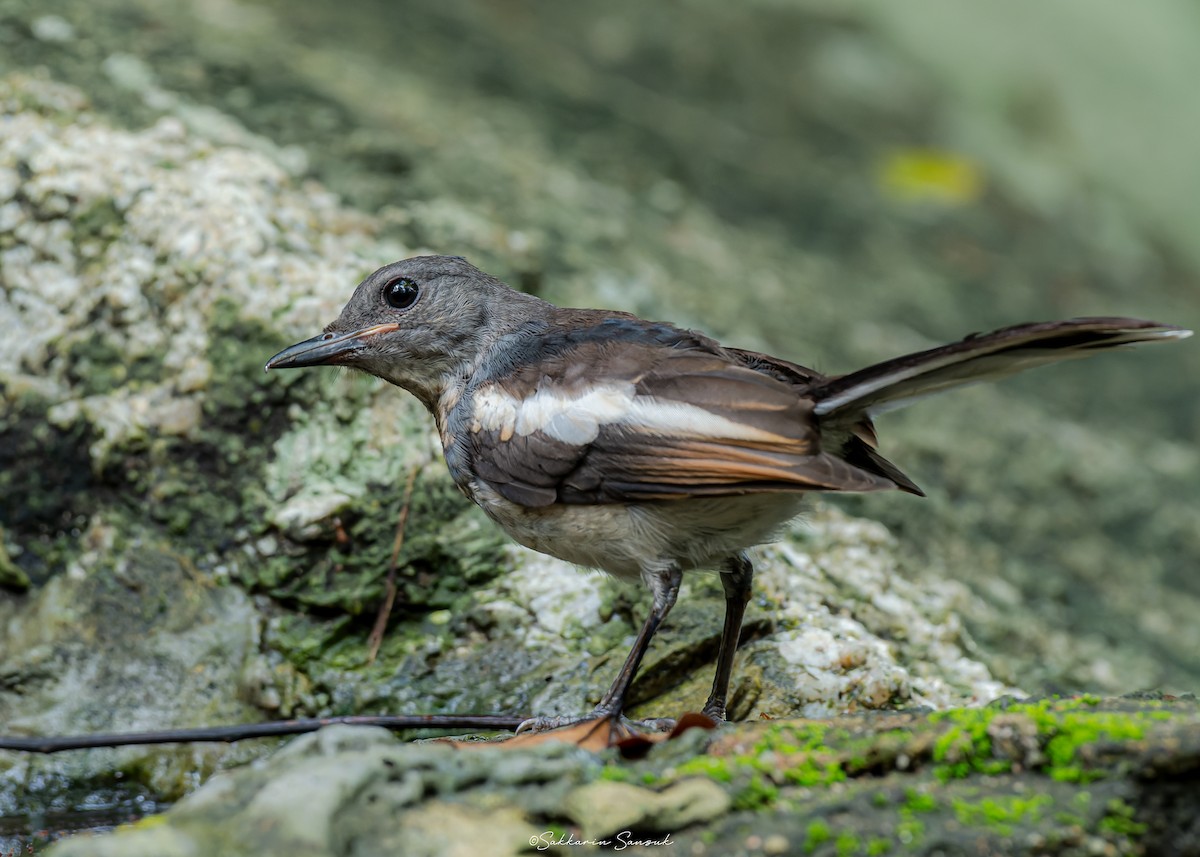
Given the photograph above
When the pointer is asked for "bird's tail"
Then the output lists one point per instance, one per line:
(980, 357)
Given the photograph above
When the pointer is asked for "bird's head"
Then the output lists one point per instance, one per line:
(414, 323)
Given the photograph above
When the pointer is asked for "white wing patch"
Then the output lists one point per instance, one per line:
(679, 419)
(571, 419)
(576, 418)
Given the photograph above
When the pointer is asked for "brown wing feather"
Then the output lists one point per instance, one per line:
(702, 424)
(855, 442)
(685, 469)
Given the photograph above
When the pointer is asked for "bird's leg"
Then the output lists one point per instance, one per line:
(736, 582)
(664, 586)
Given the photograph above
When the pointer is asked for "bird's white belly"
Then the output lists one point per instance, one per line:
(626, 538)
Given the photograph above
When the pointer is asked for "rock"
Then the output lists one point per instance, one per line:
(135, 643)
(822, 787)
(604, 809)
(148, 273)
(180, 468)
(358, 787)
(11, 577)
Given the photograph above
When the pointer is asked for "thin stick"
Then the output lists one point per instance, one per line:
(375, 640)
(57, 744)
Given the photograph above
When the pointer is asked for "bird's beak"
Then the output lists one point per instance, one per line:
(328, 349)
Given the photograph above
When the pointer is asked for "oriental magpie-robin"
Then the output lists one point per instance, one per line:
(640, 448)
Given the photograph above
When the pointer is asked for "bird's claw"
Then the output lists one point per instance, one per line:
(544, 724)
(621, 724)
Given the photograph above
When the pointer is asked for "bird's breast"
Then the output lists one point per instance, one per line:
(452, 415)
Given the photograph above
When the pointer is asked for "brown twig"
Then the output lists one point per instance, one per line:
(375, 640)
(57, 744)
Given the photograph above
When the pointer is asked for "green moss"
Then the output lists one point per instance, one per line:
(785, 756)
(874, 751)
(11, 575)
(798, 753)
(1119, 820)
(713, 767)
(878, 846)
(101, 223)
(96, 366)
(241, 397)
(967, 734)
(1001, 813)
(1077, 729)
(449, 550)
(808, 771)
(793, 737)
(919, 801)
(957, 771)
(1063, 725)
(1071, 774)
(910, 831)
(146, 482)
(615, 773)
(815, 835)
(846, 844)
(759, 793)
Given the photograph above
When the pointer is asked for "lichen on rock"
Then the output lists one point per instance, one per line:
(158, 271)
(206, 544)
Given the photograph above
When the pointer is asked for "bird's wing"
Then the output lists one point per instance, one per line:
(649, 421)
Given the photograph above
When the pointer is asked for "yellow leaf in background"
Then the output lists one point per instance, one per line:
(930, 175)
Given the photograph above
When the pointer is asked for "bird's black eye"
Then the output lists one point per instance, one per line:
(400, 293)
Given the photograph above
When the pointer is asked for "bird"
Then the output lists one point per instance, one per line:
(641, 448)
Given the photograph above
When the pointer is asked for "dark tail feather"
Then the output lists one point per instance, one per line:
(980, 357)
(865, 457)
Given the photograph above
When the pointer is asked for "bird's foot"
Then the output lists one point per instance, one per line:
(535, 725)
(621, 726)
